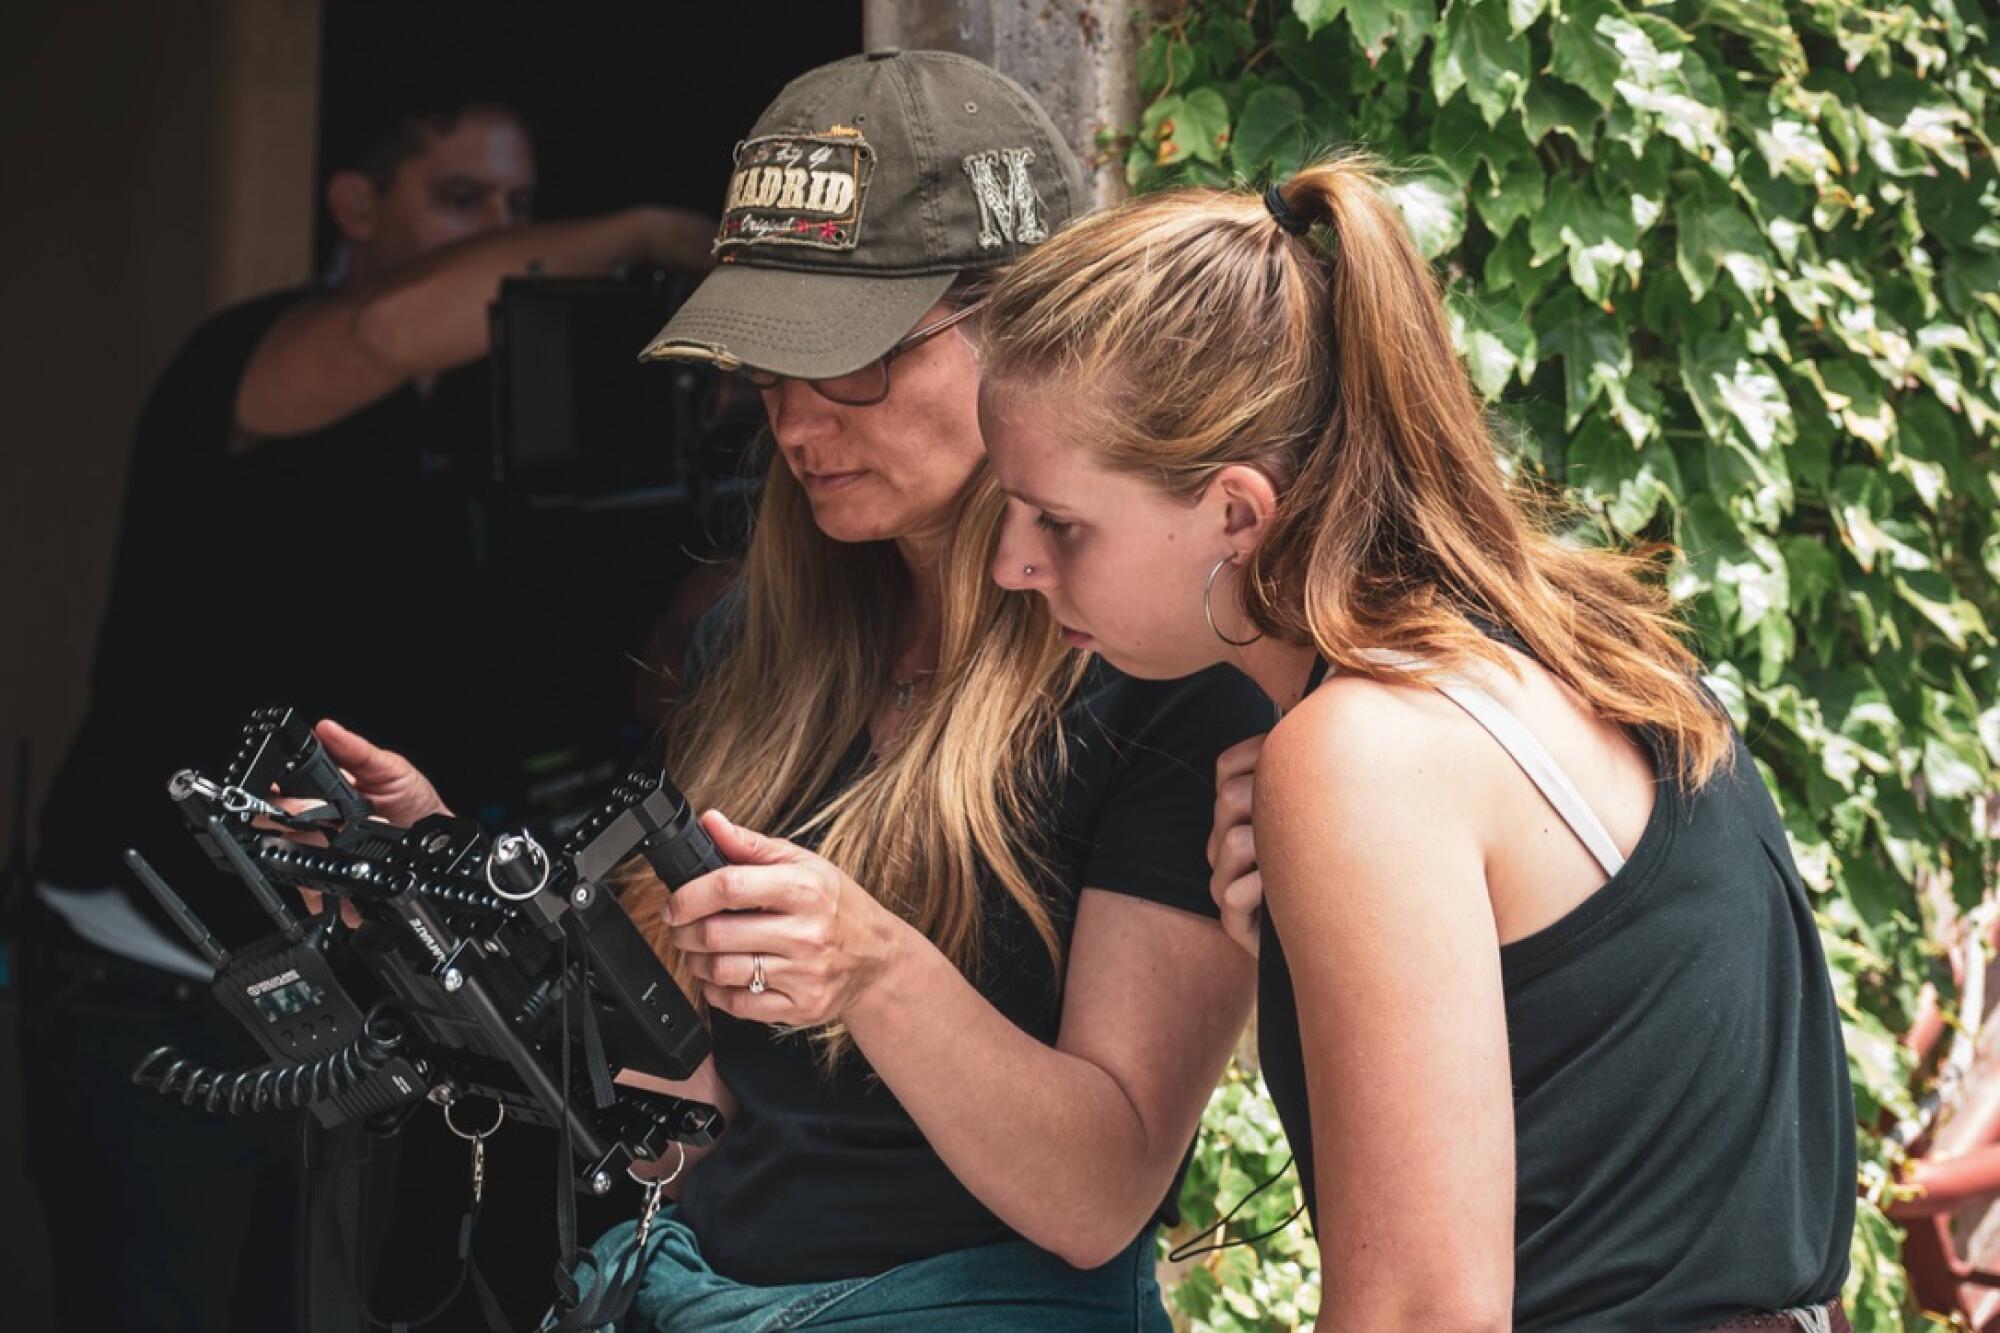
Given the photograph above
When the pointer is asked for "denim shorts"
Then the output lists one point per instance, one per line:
(988, 1289)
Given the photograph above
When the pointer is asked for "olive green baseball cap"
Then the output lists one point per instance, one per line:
(860, 194)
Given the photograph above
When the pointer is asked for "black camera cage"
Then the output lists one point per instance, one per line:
(508, 971)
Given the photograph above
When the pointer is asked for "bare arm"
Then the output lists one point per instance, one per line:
(1072, 1145)
(333, 355)
(1377, 886)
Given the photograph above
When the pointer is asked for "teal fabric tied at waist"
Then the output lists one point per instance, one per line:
(1008, 1286)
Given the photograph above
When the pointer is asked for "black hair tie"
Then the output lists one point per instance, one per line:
(1281, 211)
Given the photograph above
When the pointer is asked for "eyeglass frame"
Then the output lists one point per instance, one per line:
(765, 380)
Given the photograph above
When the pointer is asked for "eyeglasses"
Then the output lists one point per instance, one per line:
(870, 384)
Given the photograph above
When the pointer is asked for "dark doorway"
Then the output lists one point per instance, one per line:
(630, 102)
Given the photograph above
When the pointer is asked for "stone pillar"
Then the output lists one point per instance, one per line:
(1078, 57)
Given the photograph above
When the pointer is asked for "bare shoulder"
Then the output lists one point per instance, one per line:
(1359, 783)
(1365, 799)
(1354, 736)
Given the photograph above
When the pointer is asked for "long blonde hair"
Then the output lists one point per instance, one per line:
(957, 800)
(1187, 331)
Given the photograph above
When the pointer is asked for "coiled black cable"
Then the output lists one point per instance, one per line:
(274, 1087)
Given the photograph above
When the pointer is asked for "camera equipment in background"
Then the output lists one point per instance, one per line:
(610, 482)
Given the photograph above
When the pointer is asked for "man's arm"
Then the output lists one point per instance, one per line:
(331, 356)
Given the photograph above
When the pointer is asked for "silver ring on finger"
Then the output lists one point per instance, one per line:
(756, 974)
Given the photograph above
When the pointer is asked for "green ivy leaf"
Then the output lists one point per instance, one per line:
(1626, 484)
(1591, 346)
(1479, 52)
(1952, 768)
(1515, 194)
(1270, 134)
(1856, 401)
(1738, 395)
(1937, 127)
(1521, 14)
(1376, 23)
(1202, 129)
(1927, 452)
(1710, 236)
(1792, 148)
(1671, 91)
(1494, 337)
(1317, 14)
(1934, 597)
(1861, 505)
(1160, 121)
(1765, 25)
(1461, 139)
(1815, 573)
(1893, 152)
(1553, 107)
(1581, 54)
(1600, 237)
(1511, 267)
(1433, 208)
(1153, 61)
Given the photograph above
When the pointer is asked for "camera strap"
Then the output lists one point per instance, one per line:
(333, 1187)
(611, 1294)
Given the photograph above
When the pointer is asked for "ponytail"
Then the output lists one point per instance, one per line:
(1302, 333)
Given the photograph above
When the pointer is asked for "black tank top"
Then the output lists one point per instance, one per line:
(1683, 1124)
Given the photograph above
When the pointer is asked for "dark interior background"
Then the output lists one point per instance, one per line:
(160, 162)
(629, 102)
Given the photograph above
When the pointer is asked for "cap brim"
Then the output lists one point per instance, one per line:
(806, 325)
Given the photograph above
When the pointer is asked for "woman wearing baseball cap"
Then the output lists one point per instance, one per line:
(969, 992)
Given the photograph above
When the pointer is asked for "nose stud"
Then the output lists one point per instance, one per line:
(1028, 570)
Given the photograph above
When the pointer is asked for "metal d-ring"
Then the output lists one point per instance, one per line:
(652, 1182)
(499, 1119)
(525, 841)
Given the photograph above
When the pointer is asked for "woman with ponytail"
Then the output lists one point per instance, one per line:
(1542, 1003)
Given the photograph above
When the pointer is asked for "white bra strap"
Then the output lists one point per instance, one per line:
(1541, 768)
(1533, 757)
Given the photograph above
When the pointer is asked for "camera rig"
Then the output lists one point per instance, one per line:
(507, 972)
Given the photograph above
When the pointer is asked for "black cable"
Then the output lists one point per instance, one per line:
(1188, 1249)
(273, 1087)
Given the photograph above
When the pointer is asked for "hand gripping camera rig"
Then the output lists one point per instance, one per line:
(509, 972)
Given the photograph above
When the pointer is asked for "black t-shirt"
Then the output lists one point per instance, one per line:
(1683, 1125)
(332, 571)
(825, 1176)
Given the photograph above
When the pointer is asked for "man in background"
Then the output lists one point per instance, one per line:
(285, 426)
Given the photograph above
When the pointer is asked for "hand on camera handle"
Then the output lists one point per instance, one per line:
(1234, 882)
(394, 788)
(785, 916)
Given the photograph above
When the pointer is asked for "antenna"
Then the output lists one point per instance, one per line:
(247, 871)
(183, 915)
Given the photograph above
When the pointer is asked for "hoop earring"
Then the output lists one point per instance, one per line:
(1207, 594)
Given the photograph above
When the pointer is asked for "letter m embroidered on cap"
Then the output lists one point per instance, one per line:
(1009, 211)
